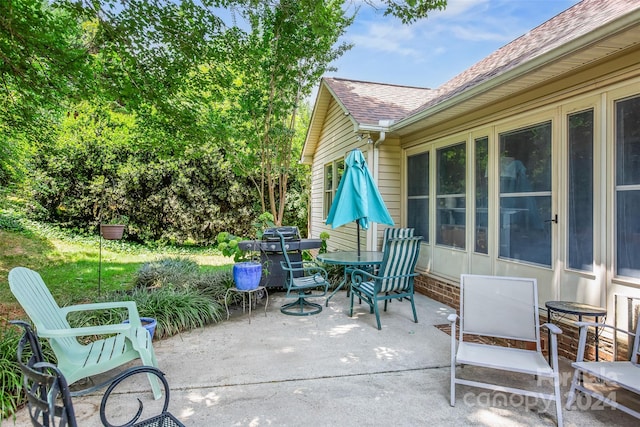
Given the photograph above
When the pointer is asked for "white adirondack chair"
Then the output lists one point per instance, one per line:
(625, 374)
(503, 308)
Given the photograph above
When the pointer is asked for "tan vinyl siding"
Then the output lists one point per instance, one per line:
(335, 138)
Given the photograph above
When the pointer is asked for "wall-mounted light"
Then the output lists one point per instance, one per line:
(362, 136)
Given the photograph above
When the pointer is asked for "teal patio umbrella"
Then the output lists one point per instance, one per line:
(357, 198)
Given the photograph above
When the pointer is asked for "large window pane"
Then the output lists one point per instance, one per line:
(525, 194)
(332, 174)
(482, 195)
(328, 188)
(628, 187)
(580, 232)
(418, 194)
(451, 207)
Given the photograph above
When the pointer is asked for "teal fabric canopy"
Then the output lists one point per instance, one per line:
(357, 197)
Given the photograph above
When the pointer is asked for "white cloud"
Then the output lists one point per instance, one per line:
(387, 38)
(459, 7)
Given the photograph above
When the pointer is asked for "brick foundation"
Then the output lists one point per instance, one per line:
(449, 294)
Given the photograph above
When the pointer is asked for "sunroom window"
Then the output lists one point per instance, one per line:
(418, 194)
(482, 195)
(580, 192)
(525, 194)
(628, 187)
(451, 206)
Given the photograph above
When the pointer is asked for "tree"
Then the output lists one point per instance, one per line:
(185, 78)
(289, 47)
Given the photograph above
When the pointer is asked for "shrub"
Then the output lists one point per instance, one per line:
(176, 271)
(177, 309)
(11, 395)
(214, 284)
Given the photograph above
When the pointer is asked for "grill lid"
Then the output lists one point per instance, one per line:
(289, 233)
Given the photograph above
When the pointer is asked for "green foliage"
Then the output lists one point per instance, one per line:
(227, 243)
(214, 284)
(324, 236)
(103, 165)
(177, 309)
(157, 111)
(10, 376)
(409, 11)
(11, 394)
(290, 45)
(166, 271)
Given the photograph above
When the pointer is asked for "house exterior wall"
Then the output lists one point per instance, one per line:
(596, 89)
(338, 137)
(542, 99)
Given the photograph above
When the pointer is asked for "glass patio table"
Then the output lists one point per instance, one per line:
(349, 259)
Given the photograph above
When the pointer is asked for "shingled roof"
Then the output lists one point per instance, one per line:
(590, 31)
(369, 102)
(569, 25)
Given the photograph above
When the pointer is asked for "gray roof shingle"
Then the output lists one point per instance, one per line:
(370, 102)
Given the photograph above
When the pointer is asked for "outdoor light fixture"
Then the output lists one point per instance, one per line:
(361, 136)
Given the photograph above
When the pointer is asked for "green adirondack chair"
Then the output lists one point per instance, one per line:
(124, 342)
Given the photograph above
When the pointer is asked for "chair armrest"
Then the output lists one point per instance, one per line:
(585, 325)
(115, 328)
(359, 272)
(554, 329)
(149, 370)
(132, 309)
(312, 269)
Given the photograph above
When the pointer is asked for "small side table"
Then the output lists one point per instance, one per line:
(251, 293)
(564, 308)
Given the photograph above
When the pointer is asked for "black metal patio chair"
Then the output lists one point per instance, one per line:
(49, 398)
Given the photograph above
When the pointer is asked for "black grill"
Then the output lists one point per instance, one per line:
(289, 234)
(271, 252)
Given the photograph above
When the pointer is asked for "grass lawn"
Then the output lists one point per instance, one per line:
(70, 266)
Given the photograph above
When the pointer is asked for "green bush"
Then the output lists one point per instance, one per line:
(11, 394)
(10, 377)
(214, 284)
(177, 309)
(176, 271)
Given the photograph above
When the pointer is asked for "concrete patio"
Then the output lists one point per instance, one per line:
(333, 370)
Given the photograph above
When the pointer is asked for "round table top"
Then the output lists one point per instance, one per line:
(351, 257)
(576, 308)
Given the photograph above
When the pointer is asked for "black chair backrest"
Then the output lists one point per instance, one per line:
(49, 397)
(42, 383)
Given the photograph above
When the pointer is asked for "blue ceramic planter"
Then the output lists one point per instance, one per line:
(247, 275)
(149, 324)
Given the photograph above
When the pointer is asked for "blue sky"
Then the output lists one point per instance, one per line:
(432, 51)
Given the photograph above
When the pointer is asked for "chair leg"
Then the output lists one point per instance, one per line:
(351, 308)
(298, 307)
(556, 384)
(148, 358)
(453, 384)
(572, 392)
(413, 306)
(377, 311)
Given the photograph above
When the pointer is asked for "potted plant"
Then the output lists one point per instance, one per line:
(114, 229)
(247, 270)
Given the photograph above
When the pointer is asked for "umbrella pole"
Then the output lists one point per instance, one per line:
(358, 238)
